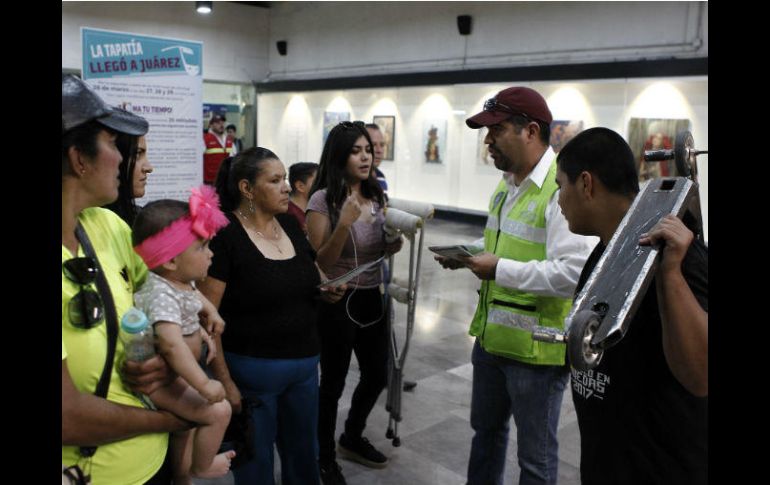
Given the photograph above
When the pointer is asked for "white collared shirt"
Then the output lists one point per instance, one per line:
(566, 253)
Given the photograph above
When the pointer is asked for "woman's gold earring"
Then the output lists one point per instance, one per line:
(251, 206)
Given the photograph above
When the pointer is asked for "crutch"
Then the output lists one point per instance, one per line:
(402, 217)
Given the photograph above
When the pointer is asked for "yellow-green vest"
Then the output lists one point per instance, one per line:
(505, 317)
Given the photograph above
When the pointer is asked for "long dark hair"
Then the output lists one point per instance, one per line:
(246, 165)
(125, 205)
(334, 160)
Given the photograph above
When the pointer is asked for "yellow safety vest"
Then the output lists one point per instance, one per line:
(505, 317)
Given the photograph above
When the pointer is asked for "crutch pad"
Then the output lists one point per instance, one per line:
(424, 210)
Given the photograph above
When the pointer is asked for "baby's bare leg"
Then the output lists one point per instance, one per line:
(181, 456)
(182, 400)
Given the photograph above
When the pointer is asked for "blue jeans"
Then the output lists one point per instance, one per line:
(533, 394)
(288, 417)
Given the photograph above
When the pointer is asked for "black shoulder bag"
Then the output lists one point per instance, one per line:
(111, 317)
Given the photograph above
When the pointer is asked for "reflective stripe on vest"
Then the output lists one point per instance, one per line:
(210, 151)
(517, 229)
(513, 320)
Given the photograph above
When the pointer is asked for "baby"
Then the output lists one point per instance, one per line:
(172, 237)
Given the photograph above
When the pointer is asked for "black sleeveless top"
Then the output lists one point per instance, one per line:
(269, 306)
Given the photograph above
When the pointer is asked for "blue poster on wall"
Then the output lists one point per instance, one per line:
(161, 80)
(110, 54)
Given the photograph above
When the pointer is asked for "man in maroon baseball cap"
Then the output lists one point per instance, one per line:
(529, 267)
(512, 101)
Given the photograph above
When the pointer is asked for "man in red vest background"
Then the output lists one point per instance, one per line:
(218, 147)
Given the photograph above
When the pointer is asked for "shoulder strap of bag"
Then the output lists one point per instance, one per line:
(112, 323)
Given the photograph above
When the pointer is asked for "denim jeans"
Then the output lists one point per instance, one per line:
(288, 417)
(533, 394)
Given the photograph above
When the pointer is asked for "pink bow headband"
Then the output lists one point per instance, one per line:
(203, 221)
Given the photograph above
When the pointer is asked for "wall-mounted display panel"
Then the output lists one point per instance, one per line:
(563, 131)
(654, 134)
(465, 178)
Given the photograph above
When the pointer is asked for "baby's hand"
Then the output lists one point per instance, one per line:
(211, 344)
(213, 390)
(211, 320)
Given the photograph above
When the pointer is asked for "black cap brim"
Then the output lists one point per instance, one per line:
(486, 118)
(125, 122)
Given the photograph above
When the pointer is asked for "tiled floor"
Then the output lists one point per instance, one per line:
(435, 431)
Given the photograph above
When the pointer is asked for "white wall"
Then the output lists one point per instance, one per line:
(235, 37)
(334, 39)
(291, 124)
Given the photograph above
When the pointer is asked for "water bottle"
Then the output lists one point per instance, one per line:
(137, 335)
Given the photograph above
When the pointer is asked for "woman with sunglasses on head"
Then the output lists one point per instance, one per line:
(345, 222)
(264, 279)
(134, 172)
(96, 249)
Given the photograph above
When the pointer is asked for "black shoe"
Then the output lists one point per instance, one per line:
(331, 474)
(361, 451)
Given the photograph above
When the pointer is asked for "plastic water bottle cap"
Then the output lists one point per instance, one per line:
(134, 321)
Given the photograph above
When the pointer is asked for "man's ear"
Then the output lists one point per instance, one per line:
(588, 185)
(533, 130)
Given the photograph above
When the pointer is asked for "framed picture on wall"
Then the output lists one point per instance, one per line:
(434, 140)
(482, 149)
(387, 126)
(654, 134)
(331, 119)
(563, 131)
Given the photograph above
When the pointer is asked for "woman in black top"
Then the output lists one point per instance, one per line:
(263, 278)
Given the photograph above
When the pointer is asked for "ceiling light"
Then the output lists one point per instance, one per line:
(203, 7)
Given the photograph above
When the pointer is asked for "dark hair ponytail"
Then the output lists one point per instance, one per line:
(227, 200)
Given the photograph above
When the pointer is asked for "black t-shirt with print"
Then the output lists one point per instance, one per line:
(638, 425)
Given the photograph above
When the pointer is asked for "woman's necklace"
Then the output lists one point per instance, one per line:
(273, 241)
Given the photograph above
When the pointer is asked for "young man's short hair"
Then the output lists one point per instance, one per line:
(605, 154)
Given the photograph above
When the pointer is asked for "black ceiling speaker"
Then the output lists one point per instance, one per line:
(464, 24)
(281, 45)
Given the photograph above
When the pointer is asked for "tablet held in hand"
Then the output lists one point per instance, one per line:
(455, 252)
(340, 280)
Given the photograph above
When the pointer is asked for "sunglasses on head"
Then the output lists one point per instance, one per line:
(85, 309)
(492, 104)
